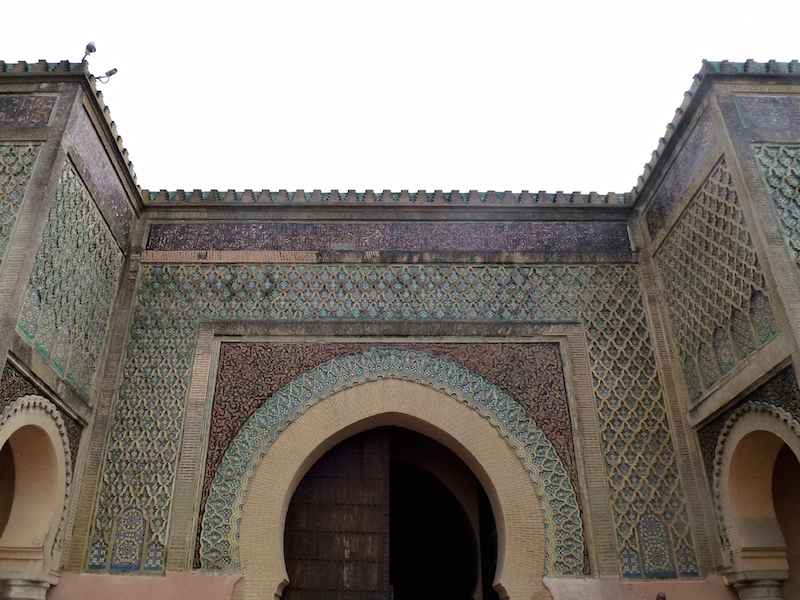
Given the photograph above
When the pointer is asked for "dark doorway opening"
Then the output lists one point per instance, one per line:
(7, 480)
(432, 552)
(786, 500)
(390, 514)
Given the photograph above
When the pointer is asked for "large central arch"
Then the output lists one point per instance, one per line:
(548, 484)
(520, 524)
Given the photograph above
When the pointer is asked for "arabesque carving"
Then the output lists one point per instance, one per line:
(559, 505)
(780, 170)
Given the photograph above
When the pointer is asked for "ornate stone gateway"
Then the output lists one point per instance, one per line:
(399, 385)
(35, 472)
(618, 373)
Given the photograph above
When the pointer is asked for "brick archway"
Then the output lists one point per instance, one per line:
(520, 525)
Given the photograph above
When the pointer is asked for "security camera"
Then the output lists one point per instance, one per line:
(90, 48)
(107, 76)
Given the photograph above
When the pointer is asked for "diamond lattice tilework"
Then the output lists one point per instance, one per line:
(144, 441)
(780, 169)
(16, 167)
(66, 309)
(713, 283)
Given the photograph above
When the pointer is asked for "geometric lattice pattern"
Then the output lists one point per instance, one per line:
(66, 310)
(126, 554)
(98, 554)
(154, 557)
(219, 542)
(144, 442)
(95, 167)
(780, 170)
(656, 553)
(16, 167)
(713, 283)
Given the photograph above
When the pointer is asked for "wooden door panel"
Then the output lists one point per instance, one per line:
(331, 546)
(337, 527)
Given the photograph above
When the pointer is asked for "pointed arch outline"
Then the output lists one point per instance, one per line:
(221, 524)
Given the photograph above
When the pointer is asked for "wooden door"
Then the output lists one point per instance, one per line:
(337, 527)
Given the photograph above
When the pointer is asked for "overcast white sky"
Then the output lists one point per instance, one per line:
(350, 94)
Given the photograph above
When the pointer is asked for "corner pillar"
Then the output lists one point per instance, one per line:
(23, 589)
(758, 585)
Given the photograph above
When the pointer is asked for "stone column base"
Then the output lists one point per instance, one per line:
(23, 589)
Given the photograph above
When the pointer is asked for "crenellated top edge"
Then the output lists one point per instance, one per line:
(724, 67)
(369, 197)
(42, 67)
(717, 68)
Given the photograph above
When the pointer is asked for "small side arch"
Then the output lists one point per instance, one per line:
(33, 429)
(746, 452)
